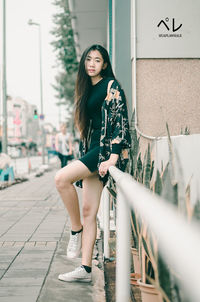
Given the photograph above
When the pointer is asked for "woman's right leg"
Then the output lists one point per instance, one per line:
(92, 189)
(64, 180)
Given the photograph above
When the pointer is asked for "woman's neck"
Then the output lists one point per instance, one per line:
(95, 80)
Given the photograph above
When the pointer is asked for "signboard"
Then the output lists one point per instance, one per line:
(168, 28)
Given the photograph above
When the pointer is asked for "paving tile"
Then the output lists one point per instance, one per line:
(28, 273)
(8, 243)
(5, 250)
(40, 243)
(33, 257)
(49, 238)
(19, 291)
(30, 244)
(4, 265)
(18, 299)
(7, 257)
(21, 281)
(30, 264)
(51, 244)
(41, 250)
(19, 243)
(2, 271)
(14, 237)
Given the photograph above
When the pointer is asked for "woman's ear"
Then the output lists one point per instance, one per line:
(105, 65)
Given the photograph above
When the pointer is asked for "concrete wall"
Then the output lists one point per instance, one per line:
(168, 90)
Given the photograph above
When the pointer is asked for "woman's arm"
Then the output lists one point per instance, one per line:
(120, 138)
(105, 165)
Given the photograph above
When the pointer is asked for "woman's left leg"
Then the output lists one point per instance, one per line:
(92, 189)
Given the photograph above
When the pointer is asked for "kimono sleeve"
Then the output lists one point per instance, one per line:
(120, 123)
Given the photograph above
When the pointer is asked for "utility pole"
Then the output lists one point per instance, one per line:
(30, 22)
(4, 132)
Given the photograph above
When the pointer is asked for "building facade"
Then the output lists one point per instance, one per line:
(155, 53)
(21, 123)
(155, 56)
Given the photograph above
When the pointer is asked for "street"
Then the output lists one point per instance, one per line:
(34, 231)
(25, 165)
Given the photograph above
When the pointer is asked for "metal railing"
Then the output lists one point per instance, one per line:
(179, 241)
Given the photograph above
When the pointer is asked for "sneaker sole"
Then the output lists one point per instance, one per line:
(76, 280)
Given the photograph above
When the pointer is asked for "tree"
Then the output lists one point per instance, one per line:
(64, 47)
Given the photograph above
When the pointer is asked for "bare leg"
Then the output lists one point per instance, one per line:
(92, 189)
(64, 180)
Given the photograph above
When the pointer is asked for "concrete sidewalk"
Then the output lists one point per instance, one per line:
(34, 231)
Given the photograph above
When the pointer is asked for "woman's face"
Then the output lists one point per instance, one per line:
(94, 63)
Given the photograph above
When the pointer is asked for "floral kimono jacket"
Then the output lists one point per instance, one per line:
(114, 129)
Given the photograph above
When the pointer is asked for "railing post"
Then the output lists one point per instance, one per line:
(100, 212)
(122, 249)
(106, 222)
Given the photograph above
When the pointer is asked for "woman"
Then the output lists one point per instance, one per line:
(101, 117)
(63, 145)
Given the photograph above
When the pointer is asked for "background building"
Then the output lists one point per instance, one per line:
(155, 55)
(22, 125)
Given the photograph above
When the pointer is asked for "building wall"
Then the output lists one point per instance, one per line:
(21, 124)
(167, 71)
(168, 91)
(122, 47)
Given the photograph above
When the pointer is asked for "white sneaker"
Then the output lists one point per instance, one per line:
(74, 246)
(79, 274)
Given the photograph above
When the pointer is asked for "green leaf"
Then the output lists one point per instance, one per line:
(138, 172)
(147, 167)
(133, 152)
(169, 190)
(112, 192)
(196, 213)
(134, 227)
(164, 277)
(158, 184)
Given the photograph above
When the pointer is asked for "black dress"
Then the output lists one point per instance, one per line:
(94, 104)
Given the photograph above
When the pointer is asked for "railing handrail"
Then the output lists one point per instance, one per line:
(178, 240)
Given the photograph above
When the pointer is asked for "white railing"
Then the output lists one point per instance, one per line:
(179, 241)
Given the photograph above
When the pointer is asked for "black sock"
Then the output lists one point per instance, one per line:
(87, 268)
(74, 233)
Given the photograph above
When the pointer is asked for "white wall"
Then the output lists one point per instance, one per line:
(168, 41)
(187, 160)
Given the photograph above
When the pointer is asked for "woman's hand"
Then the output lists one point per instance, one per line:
(105, 165)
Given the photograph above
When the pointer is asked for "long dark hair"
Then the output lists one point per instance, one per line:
(83, 86)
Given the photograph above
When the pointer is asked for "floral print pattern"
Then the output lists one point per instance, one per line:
(114, 129)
